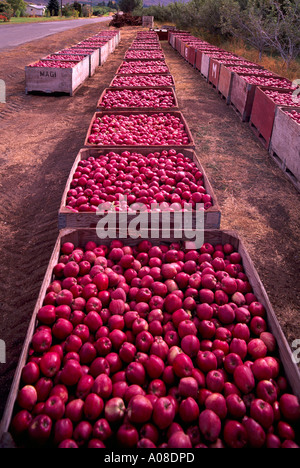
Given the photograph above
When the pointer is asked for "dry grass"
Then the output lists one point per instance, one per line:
(270, 62)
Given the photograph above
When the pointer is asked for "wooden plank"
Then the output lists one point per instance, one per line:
(67, 218)
(178, 114)
(79, 237)
(285, 144)
(142, 109)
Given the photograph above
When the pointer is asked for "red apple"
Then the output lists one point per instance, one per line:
(262, 412)
(163, 412)
(235, 435)
(209, 425)
(290, 407)
(114, 409)
(235, 406)
(27, 397)
(139, 409)
(39, 429)
(244, 378)
(93, 406)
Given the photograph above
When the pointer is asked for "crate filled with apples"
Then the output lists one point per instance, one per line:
(243, 90)
(139, 45)
(285, 142)
(143, 67)
(145, 81)
(200, 51)
(226, 73)
(265, 103)
(166, 182)
(143, 343)
(56, 76)
(138, 99)
(160, 130)
(102, 46)
(144, 55)
(94, 55)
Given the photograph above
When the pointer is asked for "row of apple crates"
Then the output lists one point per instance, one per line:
(64, 71)
(81, 228)
(269, 102)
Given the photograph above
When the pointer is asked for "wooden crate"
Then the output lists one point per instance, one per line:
(199, 53)
(50, 80)
(103, 50)
(285, 144)
(120, 72)
(178, 114)
(93, 59)
(214, 69)
(263, 114)
(173, 34)
(225, 81)
(113, 85)
(146, 59)
(141, 109)
(79, 237)
(242, 96)
(147, 21)
(67, 218)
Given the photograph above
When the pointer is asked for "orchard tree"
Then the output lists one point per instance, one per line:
(253, 24)
(17, 5)
(6, 9)
(284, 33)
(127, 6)
(53, 7)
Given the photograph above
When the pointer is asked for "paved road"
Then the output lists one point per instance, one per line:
(12, 35)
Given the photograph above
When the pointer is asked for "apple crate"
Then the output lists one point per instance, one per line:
(242, 95)
(207, 56)
(263, 113)
(51, 80)
(122, 70)
(113, 83)
(103, 49)
(143, 59)
(199, 54)
(68, 218)
(173, 34)
(215, 66)
(190, 145)
(93, 56)
(226, 74)
(80, 237)
(162, 34)
(113, 109)
(190, 51)
(285, 143)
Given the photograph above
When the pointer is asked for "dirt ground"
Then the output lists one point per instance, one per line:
(40, 137)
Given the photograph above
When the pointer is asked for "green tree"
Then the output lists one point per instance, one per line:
(283, 33)
(6, 9)
(53, 7)
(77, 6)
(17, 5)
(127, 6)
(254, 24)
